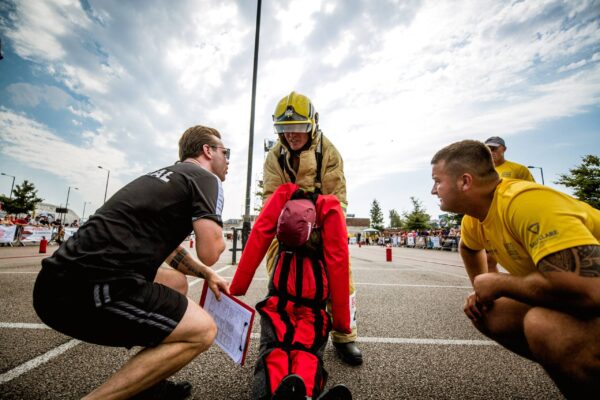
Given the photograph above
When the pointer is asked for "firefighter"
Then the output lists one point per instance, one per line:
(304, 156)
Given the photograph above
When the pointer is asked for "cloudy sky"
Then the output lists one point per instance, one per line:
(115, 83)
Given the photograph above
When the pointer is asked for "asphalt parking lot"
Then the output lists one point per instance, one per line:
(416, 341)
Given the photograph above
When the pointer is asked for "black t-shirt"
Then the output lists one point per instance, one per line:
(138, 227)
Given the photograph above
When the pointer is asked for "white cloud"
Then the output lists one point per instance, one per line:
(40, 26)
(336, 54)
(27, 95)
(295, 21)
(31, 143)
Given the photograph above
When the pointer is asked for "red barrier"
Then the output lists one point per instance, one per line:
(388, 253)
(191, 243)
(43, 245)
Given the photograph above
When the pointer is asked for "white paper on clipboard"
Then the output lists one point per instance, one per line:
(234, 322)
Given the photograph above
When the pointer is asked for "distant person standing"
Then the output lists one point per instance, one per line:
(505, 168)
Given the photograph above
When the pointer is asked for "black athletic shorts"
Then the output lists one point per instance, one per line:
(121, 313)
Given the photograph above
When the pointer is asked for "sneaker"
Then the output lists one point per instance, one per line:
(349, 353)
(165, 390)
(337, 392)
(290, 388)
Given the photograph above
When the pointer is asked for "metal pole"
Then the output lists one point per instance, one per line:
(64, 220)
(247, 225)
(67, 205)
(541, 172)
(106, 188)
(234, 248)
(83, 213)
(11, 186)
(107, 178)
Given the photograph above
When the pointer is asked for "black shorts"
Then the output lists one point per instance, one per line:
(124, 312)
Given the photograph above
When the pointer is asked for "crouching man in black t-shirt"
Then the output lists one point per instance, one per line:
(105, 285)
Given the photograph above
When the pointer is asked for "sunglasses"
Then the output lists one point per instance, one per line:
(227, 151)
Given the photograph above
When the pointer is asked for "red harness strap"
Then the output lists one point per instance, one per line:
(294, 324)
(330, 218)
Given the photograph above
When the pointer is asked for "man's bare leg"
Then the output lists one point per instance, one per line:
(568, 348)
(172, 278)
(503, 323)
(193, 335)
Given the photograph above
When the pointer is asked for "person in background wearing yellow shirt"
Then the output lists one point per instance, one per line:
(547, 308)
(505, 168)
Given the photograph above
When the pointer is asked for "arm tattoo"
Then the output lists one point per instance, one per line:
(583, 260)
(183, 262)
(178, 258)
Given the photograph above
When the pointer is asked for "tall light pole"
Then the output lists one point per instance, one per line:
(107, 178)
(83, 213)
(247, 225)
(541, 172)
(11, 186)
(67, 205)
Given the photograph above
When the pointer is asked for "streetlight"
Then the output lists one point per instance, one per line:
(67, 205)
(107, 177)
(541, 171)
(83, 213)
(11, 186)
(247, 224)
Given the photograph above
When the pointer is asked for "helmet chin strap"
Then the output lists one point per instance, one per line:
(296, 152)
(307, 144)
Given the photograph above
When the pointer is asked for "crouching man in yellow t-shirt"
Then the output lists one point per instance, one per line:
(548, 307)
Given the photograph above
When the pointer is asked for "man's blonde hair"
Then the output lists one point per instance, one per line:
(193, 140)
(469, 156)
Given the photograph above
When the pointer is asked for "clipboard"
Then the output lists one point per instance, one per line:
(234, 320)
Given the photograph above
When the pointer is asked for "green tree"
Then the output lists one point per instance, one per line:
(395, 220)
(258, 196)
(417, 218)
(585, 180)
(450, 220)
(23, 201)
(376, 215)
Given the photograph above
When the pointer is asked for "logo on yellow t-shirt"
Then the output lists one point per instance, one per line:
(543, 237)
(512, 250)
(534, 228)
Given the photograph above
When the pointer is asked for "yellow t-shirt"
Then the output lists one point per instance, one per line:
(512, 170)
(527, 221)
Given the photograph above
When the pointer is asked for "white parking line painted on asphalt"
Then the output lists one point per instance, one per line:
(443, 273)
(391, 269)
(411, 269)
(22, 325)
(407, 285)
(385, 284)
(438, 342)
(36, 362)
(451, 342)
(19, 272)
